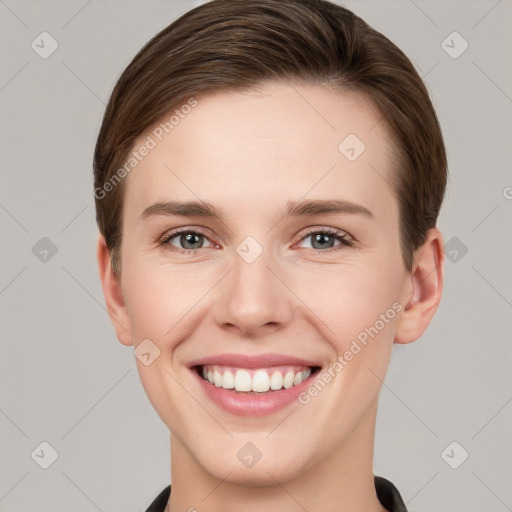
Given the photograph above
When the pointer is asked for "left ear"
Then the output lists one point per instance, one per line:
(423, 290)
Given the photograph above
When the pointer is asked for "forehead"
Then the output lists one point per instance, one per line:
(248, 149)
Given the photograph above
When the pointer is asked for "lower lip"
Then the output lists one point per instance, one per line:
(257, 404)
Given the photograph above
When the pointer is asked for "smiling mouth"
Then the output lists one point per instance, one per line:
(255, 381)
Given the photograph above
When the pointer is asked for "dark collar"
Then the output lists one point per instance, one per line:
(386, 492)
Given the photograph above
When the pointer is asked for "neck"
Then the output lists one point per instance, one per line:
(342, 481)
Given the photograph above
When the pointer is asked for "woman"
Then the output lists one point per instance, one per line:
(268, 176)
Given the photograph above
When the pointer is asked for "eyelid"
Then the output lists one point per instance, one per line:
(168, 235)
(328, 230)
(340, 234)
(345, 238)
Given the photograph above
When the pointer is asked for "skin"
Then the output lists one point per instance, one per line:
(249, 153)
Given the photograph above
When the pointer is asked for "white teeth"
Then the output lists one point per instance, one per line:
(228, 380)
(276, 381)
(288, 379)
(260, 381)
(243, 380)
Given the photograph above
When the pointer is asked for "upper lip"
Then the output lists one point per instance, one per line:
(252, 361)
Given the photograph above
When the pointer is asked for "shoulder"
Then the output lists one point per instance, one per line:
(159, 503)
(388, 495)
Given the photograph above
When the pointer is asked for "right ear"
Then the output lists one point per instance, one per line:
(111, 284)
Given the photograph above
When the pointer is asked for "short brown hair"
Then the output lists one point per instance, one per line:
(233, 45)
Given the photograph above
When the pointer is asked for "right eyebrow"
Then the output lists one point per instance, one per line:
(183, 209)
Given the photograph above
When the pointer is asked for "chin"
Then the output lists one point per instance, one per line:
(254, 461)
(262, 474)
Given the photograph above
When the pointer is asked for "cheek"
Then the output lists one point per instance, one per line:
(160, 299)
(349, 300)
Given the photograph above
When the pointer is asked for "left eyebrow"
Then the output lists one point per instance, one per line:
(293, 208)
(322, 207)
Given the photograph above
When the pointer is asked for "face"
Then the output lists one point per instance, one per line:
(268, 283)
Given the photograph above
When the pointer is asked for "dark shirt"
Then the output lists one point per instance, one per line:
(386, 492)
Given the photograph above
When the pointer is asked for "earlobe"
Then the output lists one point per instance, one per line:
(112, 291)
(423, 290)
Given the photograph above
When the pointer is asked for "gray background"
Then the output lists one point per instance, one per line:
(66, 380)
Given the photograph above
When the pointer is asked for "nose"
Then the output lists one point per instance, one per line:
(253, 300)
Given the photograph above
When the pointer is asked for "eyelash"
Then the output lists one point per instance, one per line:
(345, 240)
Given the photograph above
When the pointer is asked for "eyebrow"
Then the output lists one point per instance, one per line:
(293, 208)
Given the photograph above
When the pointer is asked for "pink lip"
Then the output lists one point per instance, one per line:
(246, 361)
(252, 404)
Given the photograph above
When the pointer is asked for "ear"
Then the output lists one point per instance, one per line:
(423, 289)
(111, 284)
